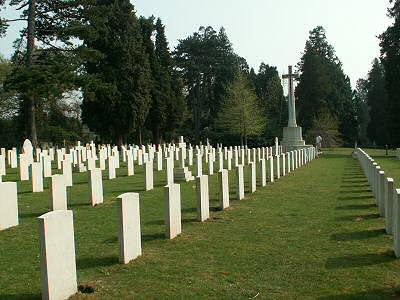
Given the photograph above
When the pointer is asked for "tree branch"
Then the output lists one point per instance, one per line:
(22, 6)
(14, 20)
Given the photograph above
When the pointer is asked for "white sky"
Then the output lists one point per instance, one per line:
(272, 31)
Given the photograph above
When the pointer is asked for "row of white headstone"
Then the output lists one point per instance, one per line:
(56, 230)
(278, 165)
(387, 198)
(57, 245)
(398, 153)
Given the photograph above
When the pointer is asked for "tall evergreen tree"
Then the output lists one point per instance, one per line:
(207, 63)
(117, 97)
(377, 102)
(390, 55)
(171, 84)
(44, 20)
(165, 108)
(270, 92)
(324, 87)
(363, 110)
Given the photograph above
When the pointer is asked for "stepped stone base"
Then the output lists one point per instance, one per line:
(293, 139)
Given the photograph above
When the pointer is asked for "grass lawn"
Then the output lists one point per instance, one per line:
(389, 164)
(313, 235)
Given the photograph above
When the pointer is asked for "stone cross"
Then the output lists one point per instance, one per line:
(292, 104)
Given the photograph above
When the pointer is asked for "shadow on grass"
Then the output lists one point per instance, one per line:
(354, 218)
(25, 192)
(354, 181)
(357, 235)
(372, 294)
(362, 260)
(190, 220)
(20, 297)
(112, 240)
(355, 206)
(128, 189)
(31, 215)
(81, 182)
(361, 197)
(350, 186)
(358, 175)
(156, 222)
(356, 191)
(189, 210)
(95, 262)
(79, 204)
(153, 237)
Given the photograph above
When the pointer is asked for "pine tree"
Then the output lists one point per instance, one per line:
(324, 87)
(207, 63)
(377, 102)
(117, 94)
(390, 55)
(270, 92)
(171, 84)
(44, 21)
(363, 111)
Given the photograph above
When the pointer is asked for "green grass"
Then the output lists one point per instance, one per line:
(313, 235)
(388, 163)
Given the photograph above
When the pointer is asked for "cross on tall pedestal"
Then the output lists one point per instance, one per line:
(292, 102)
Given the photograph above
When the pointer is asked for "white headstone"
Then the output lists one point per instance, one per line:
(278, 166)
(389, 188)
(111, 168)
(8, 205)
(37, 177)
(239, 182)
(263, 173)
(199, 165)
(27, 149)
(47, 166)
(58, 193)
(381, 197)
(96, 186)
(271, 169)
(170, 170)
(210, 164)
(252, 177)
(23, 167)
(57, 255)
(129, 235)
(67, 169)
(131, 168)
(172, 194)
(396, 222)
(203, 200)
(223, 185)
(148, 175)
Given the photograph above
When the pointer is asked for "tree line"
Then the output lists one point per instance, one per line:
(378, 95)
(87, 69)
(93, 69)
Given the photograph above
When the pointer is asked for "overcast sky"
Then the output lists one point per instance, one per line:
(272, 31)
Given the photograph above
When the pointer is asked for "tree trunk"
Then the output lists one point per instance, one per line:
(119, 141)
(31, 109)
(140, 136)
(156, 135)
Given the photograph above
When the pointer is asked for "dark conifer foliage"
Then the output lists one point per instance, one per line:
(324, 88)
(390, 55)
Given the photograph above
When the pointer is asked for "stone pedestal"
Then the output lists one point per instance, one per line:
(293, 139)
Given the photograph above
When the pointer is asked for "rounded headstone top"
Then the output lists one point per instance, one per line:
(27, 146)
